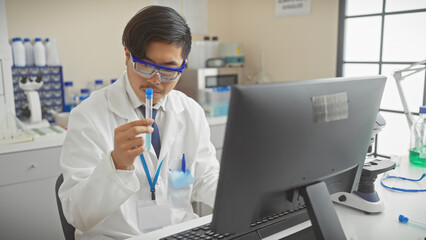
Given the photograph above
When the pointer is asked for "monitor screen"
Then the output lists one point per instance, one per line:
(289, 145)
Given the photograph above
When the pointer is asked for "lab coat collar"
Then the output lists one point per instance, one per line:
(118, 100)
(120, 104)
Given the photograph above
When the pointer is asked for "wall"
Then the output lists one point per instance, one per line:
(89, 34)
(296, 48)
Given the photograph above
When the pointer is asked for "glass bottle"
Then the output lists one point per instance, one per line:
(418, 140)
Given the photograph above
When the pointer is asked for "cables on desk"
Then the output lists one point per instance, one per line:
(386, 177)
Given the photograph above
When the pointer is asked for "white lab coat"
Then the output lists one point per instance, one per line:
(101, 201)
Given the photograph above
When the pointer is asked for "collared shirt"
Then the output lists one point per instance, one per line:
(136, 103)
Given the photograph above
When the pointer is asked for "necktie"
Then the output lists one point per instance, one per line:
(155, 137)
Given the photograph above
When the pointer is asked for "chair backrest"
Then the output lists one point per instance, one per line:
(67, 228)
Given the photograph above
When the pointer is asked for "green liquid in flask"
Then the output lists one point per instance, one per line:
(416, 159)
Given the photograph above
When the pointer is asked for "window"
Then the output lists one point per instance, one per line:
(379, 37)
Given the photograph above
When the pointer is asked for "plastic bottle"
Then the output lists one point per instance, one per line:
(99, 83)
(84, 93)
(52, 57)
(195, 55)
(215, 47)
(47, 46)
(29, 52)
(69, 96)
(18, 51)
(39, 53)
(207, 50)
(418, 140)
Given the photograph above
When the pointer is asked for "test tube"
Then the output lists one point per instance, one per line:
(415, 223)
(148, 114)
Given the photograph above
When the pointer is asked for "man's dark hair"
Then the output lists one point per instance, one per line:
(156, 23)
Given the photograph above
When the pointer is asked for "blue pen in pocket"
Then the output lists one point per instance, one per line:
(183, 163)
(181, 178)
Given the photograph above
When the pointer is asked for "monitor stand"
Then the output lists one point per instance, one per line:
(325, 223)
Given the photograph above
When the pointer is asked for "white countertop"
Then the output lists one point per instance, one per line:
(217, 120)
(356, 224)
(38, 143)
(57, 140)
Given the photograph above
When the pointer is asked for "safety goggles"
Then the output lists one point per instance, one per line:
(147, 70)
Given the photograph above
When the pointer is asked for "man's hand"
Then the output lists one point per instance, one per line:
(127, 144)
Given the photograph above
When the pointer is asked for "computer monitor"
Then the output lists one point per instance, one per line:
(289, 145)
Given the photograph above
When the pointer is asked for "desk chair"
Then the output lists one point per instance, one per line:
(67, 228)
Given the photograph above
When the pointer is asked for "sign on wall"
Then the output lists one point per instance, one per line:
(292, 8)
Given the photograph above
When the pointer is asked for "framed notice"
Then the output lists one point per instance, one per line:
(292, 8)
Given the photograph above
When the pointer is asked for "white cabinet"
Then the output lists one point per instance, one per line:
(28, 173)
(217, 133)
(28, 208)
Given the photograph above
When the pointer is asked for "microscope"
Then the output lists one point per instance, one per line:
(30, 85)
(365, 198)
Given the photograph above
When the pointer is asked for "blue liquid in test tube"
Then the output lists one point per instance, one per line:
(148, 114)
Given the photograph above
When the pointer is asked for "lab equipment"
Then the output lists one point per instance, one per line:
(233, 52)
(215, 101)
(399, 76)
(412, 222)
(286, 173)
(198, 56)
(207, 48)
(99, 83)
(52, 56)
(365, 197)
(262, 76)
(69, 96)
(403, 188)
(418, 140)
(47, 47)
(202, 53)
(215, 63)
(194, 81)
(147, 70)
(84, 94)
(148, 114)
(18, 51)
(214, 46)
(39, 53)
(29, 52)
(51, 92)
(30, 85)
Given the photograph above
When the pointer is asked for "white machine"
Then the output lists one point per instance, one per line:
(193, 81)
(365, 198)
(30, 85)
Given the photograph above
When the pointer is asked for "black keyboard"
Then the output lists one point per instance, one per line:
(265, 226)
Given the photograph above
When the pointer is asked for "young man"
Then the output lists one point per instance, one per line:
(110, 188)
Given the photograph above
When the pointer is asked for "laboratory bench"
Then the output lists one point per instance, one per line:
(356, 224)
(28, 173)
